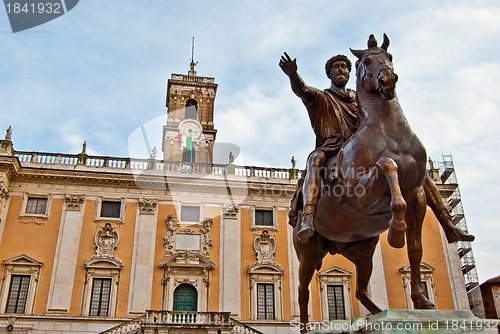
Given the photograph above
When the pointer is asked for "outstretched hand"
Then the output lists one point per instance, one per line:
(288, 65)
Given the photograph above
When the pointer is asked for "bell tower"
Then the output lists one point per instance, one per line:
(189, 134)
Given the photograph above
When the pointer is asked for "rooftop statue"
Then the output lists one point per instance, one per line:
(367, 174)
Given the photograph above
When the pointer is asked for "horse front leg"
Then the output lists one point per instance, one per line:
(415, 217)
(361, 254)
(310, 255)
(397, 225)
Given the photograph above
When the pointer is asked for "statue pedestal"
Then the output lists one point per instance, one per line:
(410, 322)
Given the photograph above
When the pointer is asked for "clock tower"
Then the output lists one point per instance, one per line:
(189, 134)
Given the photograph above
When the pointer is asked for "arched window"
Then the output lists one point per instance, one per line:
(191, 109)
(185, 298)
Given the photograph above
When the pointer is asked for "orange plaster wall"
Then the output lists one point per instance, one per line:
(247, 257)
(161, 230)
(124, 251)
(281, 257)
(433, 254)
(37, 241)
(213, 293)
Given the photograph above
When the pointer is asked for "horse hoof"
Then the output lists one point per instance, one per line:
(396, 238)
(455, 234)
(425, 305)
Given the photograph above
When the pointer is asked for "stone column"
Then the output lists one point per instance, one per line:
(68, 242)
(141, 278)
(230, 259)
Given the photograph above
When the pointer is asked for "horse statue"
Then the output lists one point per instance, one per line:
(381, 171)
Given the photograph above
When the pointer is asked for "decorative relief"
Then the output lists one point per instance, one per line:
(168, 239)
(265, 247)
(105, 241)
(4, 192)
(147, 206)
(33, 220)
(74, 202)
(230, 211)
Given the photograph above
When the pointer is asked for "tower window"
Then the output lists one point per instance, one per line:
(191, 109)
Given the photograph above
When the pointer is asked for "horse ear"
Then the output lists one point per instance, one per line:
(372, 42)
(385, 44)
(357, 53)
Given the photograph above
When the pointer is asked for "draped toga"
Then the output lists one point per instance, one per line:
(334, 118)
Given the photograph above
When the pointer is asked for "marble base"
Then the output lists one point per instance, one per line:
(410, 322)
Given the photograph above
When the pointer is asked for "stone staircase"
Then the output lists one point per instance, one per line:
(163, 321)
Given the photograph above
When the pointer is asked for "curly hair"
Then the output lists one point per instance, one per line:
(329, 63)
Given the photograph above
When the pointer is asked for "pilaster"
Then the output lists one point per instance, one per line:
(141, 280)
(66, 255)
(230, 282)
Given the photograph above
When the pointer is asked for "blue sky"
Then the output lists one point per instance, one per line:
(99, 72)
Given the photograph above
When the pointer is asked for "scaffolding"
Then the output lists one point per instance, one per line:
(448, 177)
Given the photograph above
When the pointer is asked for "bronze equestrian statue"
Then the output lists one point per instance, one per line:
(366, 149)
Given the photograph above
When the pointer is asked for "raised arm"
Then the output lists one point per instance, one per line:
(298, 85)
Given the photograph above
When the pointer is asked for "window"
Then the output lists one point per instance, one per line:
(191, 109)
(190, 214)
(265, 301)
(18, 294)
(335, 294)
(36, 206)
(424, 289)
(19, 284)
(264, 218)
(188, 155)
(101, 286)
(336, 308)
(110, 209)
(101, 292)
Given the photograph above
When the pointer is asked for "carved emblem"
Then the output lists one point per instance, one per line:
(265, 247)
(106, 240)
(147, 206)
(74, 202)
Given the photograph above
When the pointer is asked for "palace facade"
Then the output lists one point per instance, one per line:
(187, 243)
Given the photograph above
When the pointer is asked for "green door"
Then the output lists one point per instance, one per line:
(185, 298)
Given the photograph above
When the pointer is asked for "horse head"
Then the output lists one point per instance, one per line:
(374, 69)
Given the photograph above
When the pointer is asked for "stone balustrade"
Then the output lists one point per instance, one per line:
(135, 165)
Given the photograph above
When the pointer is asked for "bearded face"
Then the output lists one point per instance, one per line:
(339, 73)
